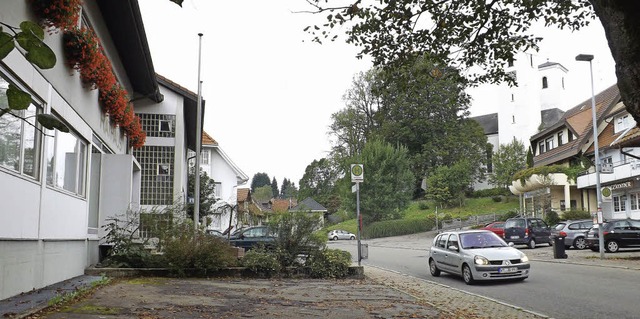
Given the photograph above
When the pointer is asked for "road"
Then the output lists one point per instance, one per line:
(558, 290)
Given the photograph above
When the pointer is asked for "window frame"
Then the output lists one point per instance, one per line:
(53, 160)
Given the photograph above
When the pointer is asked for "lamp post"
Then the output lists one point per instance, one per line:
(589, 58)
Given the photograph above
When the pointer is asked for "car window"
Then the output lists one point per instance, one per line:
(514, 223)
(442, 242)
(586, 225)
(541, 223)
(453, 241)
(533, 223)
(575, 226)
(621, 224)
(560, 226)
(635, 224)
(498, 225)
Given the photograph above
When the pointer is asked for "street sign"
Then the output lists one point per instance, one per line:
(357, 173)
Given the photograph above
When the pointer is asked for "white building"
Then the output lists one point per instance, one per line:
(227, 177)
(524, 110)
(57, 190)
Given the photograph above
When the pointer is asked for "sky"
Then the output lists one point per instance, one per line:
(270, 92)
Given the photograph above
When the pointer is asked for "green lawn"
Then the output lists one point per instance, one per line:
(423, 209)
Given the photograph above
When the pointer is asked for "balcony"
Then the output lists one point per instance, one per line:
(535, 182)
(620, 172)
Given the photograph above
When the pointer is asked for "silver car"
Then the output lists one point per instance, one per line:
(477, 255)
(573, 231)
(340, 234)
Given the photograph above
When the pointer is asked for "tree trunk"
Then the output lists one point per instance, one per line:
(621, 22)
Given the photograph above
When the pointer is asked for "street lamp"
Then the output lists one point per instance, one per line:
(589, 58)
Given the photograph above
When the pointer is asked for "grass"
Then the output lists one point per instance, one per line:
(423, 209)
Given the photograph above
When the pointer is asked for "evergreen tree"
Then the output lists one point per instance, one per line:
(274, 188)
(259, 180)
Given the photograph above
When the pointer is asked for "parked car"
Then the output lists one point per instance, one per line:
(617, 233)
(215, 233)
(250, 237)
(573, 231)
(496, 227)
(340, 234)
(477, 255)
(528, 231)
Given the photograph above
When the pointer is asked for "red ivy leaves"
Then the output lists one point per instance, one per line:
(84, 54)
(57, 14)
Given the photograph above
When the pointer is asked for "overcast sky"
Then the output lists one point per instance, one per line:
(270, 95)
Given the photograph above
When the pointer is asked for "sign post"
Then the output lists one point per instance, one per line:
(357, 176)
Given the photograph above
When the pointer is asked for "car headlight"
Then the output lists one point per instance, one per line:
(479, 260)
(524, 258)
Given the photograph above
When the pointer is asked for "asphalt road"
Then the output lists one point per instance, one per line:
(558, 290)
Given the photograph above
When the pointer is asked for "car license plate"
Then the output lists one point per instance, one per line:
(591, 235)
(507, 270)
(515, 237)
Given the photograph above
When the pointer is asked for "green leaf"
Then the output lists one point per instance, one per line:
(32, 27)
(6, 44)
(51, 122)
(38, 52)
(18, 99)
(178, 2)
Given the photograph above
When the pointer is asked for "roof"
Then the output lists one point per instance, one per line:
(579, 121)
(190, 109)
(552, 64)
(207, 139)
(125, 25)
(308, 204)
(244, 194)
(551, 116)
(489, 123)
(209, 142)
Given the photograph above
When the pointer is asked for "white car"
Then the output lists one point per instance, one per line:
(477, 255)
(340, 234)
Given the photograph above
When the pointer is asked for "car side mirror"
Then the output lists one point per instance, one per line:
(511, 244)
(453, 247)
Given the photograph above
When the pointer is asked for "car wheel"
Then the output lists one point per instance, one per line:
(335, 237)
(612, 246)
(352, 237)
(467, 276)
(433, 269)
(532, 243)
(579, 243)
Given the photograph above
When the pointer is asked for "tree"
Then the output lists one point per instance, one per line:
(274, 187)
(319, 182)
(388, 185)
(290, 190)
(447, 184)
(484, 34)
(529, 157)
(259, 180)
(207, 193)
(352, 125)
(263, 194)
(509, 159)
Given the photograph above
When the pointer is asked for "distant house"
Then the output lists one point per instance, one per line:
(227, 177)
(309, 205)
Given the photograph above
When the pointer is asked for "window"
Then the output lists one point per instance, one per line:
(442, 241)
(512, 97)
(218, 189)
(560, 136)
(204, 157)
(544, 82)
(66, 161)
(633, 199)
(164, 126)
(570, 136)
(164, 169)
(540, 147)
(573, 203)
(453, 241)
(19, 140)
(623, 122)
(619, 203)
(549, 144)
(513, 119)
(563, 82)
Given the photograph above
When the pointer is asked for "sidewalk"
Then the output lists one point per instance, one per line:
(382, 294)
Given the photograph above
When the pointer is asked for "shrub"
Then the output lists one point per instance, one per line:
(398, 227)
(575, 214)
(261, 262)
(127, 251)
(295, 236)
(497, 199)
(490, 192)
(423, 205)
(508, 215)
(328, 263)
(552, 218)
(185, 249)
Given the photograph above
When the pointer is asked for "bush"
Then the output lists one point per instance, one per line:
(398, 227)
(186, 249)
(575, 214)
(491, 192)
(497, 199)
(262, 262)
(423, 205)
(552, 218)
(295, 236)
(127, 251)
(328, 263)
(508, 215)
